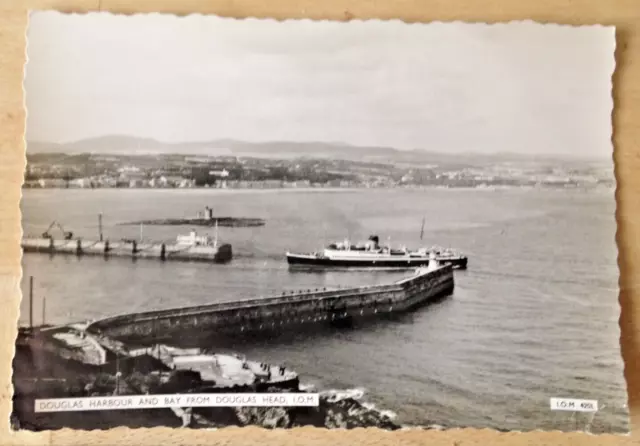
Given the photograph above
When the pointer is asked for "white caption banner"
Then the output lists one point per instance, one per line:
(574, 405)
(173, 400)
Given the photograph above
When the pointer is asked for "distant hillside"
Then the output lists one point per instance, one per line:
(129, 145)
(119, 144)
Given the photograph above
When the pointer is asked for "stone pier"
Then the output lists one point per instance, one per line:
(284, 312)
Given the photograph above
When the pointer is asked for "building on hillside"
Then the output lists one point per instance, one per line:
(221, 177)
(80, 183)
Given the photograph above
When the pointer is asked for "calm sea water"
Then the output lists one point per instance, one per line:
(534, 317)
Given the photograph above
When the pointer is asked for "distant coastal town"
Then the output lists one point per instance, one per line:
(59, 170)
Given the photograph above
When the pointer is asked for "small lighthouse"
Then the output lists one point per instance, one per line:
(433, 262)
(431, 266)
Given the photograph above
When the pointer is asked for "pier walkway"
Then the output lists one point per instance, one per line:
(284, 311)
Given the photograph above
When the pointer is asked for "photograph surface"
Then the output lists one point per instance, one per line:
(311, 223)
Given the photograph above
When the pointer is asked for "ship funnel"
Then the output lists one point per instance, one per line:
(375, 239)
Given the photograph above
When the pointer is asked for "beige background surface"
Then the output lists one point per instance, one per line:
(624, 14)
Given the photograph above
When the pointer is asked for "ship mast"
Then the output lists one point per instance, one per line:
(422, 229)
(215, 235)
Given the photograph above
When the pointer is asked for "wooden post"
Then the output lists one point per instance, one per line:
(117, 374)
(44, 310)
(163, 251)
(135, 247)
(79, 247)
(106, 247)
(100, 225)
(31, 302)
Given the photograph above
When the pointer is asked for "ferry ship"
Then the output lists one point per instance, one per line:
(371, 255)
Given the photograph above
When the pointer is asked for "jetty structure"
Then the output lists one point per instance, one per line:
(124, 355)
(72, 346)
(63, 362)
(286, 312)
(191, 247)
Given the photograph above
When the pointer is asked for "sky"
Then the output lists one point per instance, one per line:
(523, 88)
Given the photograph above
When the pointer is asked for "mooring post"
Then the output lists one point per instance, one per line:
(135, 247)
(163, 251)
(100, 225)
(51, 244)
(106, 247)
(78, 246)
(117, 373)
(31, 302)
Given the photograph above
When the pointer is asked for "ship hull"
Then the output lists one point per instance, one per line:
(304, 260)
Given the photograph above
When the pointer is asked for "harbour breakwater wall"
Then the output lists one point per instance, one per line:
(134, 249)
(284, 312)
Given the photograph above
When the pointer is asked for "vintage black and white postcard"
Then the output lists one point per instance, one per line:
(311, 223)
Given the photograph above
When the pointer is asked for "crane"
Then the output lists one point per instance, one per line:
(67, 235)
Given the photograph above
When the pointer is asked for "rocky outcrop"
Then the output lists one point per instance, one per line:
(350, 413)
(346, 413)
(229, 222)
(267, 417)
(332, 412)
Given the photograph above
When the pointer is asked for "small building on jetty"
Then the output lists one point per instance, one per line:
(284, 312)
